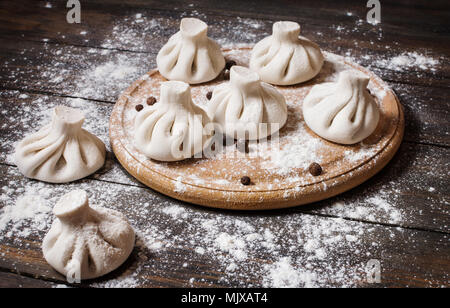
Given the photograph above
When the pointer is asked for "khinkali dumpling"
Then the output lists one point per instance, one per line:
(174, 128)
(247, 108)
(343, 111)
(285, 58)
(189, 55)
(61, 151)
(85, 241)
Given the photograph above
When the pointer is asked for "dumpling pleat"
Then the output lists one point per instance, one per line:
(180, 133)
(189, 55)
(240, 107)
(235, 107)
(271, 56)
(185, 61)
(285, 58)
(33, 162)
(146, 127)
(342, 111)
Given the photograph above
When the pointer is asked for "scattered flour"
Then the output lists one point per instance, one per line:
(409, 60)
(290, 249)
(175, 211)
(232, 245)
(282, 274)
(29, 208)
(129, 282)
(301, 152)
(110, 77)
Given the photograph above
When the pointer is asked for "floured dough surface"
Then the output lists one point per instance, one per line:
(246, 104)
(274, 170)
(86, 241)
(174, 128)
(344, 111)
(285, 57)
(61, 151)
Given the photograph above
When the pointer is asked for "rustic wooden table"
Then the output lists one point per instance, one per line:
(400, 217)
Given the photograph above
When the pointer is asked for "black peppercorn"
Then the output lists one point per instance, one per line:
(151, 100)
(245, 180)
(315, 169)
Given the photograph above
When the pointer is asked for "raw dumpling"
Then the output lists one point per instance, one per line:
(86, 242)
(285, 58)
(174, 128)
(189, 55)
(62, 151)
(247, 108)
(342, 111)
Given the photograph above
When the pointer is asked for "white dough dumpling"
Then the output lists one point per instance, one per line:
(246, 107)
(61, 151)
(174, 128)
(285, 58)
(87, 242)
(190, 55)
(343, 111)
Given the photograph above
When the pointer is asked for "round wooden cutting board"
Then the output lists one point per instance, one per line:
(278, 167)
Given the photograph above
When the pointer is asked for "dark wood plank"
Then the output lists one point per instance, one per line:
(330, 251)
(426, 110)
(70, 71)
(410, 192)
(421, 19)
(329, 25)
(11, 280)
(407, 187)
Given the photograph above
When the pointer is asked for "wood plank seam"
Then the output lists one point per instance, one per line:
(377, 223)
(293, 210)
(38, 277)
(262, 16)
(401, 82)
(77, 45)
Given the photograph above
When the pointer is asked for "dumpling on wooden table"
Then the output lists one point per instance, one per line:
(87, 241)
(61, 151)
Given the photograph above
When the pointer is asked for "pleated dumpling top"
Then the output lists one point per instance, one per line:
(61, 151)
(190, 55)
(343, 111)
(285, 58)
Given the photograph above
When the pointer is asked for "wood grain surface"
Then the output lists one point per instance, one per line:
(37, 44)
